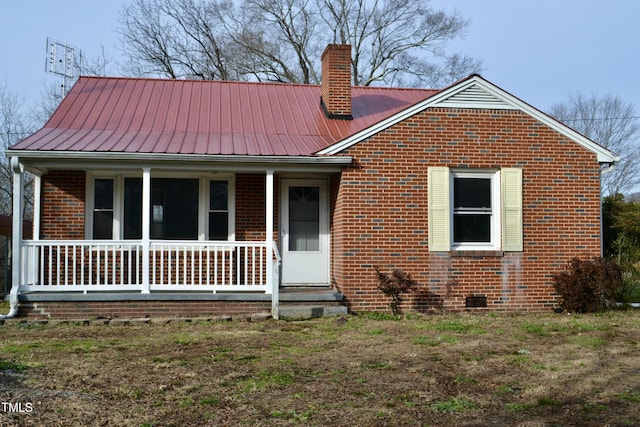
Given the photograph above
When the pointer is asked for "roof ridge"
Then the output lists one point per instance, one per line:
(244, 82)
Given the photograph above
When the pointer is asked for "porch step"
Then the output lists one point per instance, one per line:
(307, 303)
(311, 311)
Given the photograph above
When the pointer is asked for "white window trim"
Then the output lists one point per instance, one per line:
(496, 209)
(118, 201)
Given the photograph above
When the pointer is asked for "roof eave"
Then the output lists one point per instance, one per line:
(89, 160)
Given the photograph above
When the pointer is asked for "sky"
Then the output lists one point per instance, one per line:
(541, 51)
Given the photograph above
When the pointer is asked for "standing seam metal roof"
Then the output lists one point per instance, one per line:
(130, 115)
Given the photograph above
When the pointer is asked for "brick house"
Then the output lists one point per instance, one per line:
(159, 197)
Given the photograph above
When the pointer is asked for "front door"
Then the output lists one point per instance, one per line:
(304, 228)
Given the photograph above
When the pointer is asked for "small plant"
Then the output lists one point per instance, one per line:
(588, 285)
(394, 285)
(6, 365)
(454, 405)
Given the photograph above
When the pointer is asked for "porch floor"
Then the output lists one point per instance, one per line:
(286, 295)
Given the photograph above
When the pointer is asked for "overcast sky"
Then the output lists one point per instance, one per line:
(539, 50)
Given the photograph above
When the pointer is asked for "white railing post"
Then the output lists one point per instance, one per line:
(271, 286)
(146, 228)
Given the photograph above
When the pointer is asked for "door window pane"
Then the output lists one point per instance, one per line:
(304, 218)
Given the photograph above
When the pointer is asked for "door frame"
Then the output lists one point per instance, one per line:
(324, 228)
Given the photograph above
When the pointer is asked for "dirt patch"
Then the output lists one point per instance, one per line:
(464, 370)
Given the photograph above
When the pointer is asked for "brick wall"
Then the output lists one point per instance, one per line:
(63, 194)
(380, 210)
(139, 309)
(250, 207)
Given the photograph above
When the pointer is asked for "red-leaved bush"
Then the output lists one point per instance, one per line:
(588, 285)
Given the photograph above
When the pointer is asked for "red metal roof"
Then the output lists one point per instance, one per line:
(129, 115)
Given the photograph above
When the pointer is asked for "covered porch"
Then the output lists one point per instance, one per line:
(116, 264)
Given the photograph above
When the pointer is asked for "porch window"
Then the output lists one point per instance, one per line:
(181, 208)
(218, 210)
(174, 209)
(132, 221)
(103, 209)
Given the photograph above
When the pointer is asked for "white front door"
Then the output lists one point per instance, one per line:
(304, 230)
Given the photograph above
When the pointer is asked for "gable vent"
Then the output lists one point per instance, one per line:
(475, 97)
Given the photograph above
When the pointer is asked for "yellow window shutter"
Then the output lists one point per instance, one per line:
(512, 209)
(439, 212)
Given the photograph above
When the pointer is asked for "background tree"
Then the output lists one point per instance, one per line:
(613, 124)
(14, 125)
(621, 237)
(394, 42)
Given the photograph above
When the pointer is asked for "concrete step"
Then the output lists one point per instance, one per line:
(311, 311)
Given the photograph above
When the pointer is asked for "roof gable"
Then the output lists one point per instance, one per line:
(474, 96)
(475, 92)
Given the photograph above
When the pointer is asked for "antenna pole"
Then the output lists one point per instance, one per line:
(61, 61)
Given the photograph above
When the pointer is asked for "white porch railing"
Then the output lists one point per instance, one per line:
(101, 265)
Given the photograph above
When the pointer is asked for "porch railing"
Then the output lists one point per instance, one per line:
(100, 265)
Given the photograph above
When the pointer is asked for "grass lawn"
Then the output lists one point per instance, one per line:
(367, 370)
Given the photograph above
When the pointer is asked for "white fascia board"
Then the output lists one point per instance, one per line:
(89, 160)
(603, 155)
(510, 102)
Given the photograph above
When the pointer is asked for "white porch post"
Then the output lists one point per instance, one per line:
(37, 185)
(146, 228)
(16, 238)
(271, 286)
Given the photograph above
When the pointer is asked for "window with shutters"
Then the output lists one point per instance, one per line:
(475, 209)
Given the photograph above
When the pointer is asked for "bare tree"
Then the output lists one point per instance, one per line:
(13, 127)
(612, 123)
(95, 66)
(394, 42)
(398, 42)
(176, 39)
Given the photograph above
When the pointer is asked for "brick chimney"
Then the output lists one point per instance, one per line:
(336, 81)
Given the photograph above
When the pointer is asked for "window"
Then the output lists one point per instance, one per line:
(304, 218)
(132, 220)
(474, 217)
(218, 210)
(103, 209)
(475, 209)
(180, 208)
(174, 208)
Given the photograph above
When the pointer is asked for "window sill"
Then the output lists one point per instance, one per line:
(476, 253)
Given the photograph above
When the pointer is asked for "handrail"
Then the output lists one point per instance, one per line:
(116, 265)
(274, 245)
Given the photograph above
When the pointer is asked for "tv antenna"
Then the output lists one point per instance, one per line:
(61, 61)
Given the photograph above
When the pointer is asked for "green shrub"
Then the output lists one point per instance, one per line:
(588, 285)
